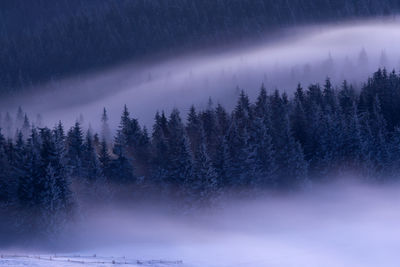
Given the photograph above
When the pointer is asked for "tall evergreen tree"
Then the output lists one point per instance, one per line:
(105, 127)
(180, 167)
(204, 181)
(74, 149)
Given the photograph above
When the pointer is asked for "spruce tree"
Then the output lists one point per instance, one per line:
(74, 149)
(160, 157)
(105, 160)
(91, 172)
(121, 165)
(180, 167)
(204, 182)
(105, 127)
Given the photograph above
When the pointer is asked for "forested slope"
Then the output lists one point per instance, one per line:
(278, 142)
(47, 39)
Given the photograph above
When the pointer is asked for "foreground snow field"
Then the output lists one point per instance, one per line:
(77, 260)
(347, 225)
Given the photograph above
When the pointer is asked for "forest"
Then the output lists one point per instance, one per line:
(45, 40)
(274, 143)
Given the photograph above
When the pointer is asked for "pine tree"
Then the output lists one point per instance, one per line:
(291, 163)
(51, 203)
(91, 171)
(209, 127)
(375, 144)
(105, 127)
(74, 149)
(180, 167)
(329, 97)
(223, 120)
(60, 166)
(8, 125)
(289, 154)
(121, 165)
(105, 160)
(19, 119)
(298, 117)
(237, 167)
(25, 129)
(27, 170)
(6, 192)
(220, 163)
(159, 150)
(193, 129)
(243, 113)
(261, 157)
(261, 107)
(204, 182)
(137, 143)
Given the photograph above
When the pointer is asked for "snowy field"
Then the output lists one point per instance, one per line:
(78, 260)
(337, 226)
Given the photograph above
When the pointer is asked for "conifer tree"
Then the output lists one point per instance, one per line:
(194, 129)
(209, 126)
(180, 167)
(74, 149)
(105, 127)
(6, 194)
(298, 117)
(25, 129)
(204, 182)
(105, 161)
(238, 169)
(122, 168)
(91, 171)
(19, 119)
(261, 156)
(159, 150)
(8, 125)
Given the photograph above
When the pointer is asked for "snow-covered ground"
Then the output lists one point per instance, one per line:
(337, 226)
(18, 260)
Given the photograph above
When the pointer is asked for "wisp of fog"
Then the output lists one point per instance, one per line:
(346, 224)
(306, 55)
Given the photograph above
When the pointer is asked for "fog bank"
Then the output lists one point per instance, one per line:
(345, 225)
(305, 55)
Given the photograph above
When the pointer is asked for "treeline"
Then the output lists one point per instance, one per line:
(274, 143)
(47, 39)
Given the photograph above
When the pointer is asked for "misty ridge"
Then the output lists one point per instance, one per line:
(47, 40)
(306, 55)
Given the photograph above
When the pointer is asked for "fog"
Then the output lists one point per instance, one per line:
(308, 54)
(345, 224)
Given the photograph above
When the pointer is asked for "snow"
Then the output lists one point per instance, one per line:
(78, 260)
(337, 226)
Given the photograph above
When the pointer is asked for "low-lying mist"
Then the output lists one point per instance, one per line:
(305, 55)
(344, 224)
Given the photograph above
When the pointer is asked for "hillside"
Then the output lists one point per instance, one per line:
(48, 39)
